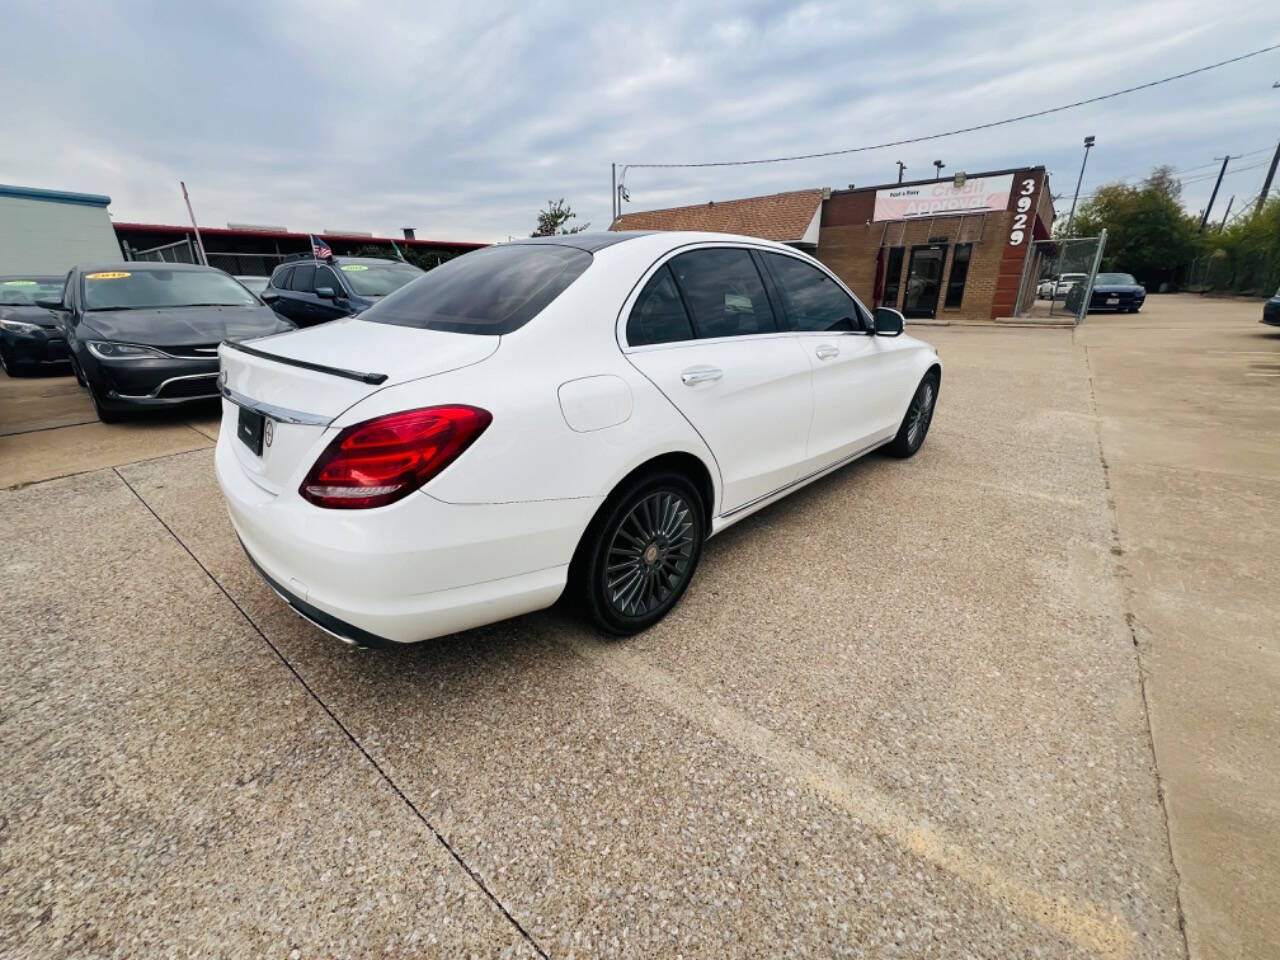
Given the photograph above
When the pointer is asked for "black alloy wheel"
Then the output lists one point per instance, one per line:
(641, 553)
(915, 425)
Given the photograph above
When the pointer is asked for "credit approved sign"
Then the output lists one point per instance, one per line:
(978, 194)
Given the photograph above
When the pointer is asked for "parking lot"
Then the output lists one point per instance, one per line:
(1014, 697)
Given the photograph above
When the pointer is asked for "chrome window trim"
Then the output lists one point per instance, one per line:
(279, 414)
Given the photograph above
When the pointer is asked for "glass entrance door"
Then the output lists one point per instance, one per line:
(924, 280)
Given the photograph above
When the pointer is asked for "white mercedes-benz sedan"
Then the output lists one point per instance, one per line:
(575, 412)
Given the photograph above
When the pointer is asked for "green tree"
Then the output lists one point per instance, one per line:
(1148, 232)
(1245, 255)
(552, 220)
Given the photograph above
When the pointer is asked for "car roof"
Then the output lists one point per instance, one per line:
(30, 276)
(590, 242)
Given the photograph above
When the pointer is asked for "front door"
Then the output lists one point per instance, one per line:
(924, 280)
(741, 381)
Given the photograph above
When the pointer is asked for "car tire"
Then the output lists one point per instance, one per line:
(916, 421)
(75, 368)
(640, 553)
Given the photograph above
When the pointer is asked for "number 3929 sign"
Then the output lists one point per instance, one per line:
(1018, 232)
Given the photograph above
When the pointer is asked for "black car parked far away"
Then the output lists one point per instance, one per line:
(1111, 291)
(146, 334)
(308, 291)
(30, 335)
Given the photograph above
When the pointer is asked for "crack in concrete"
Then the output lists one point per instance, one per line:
(475, 877)
(1121, 573)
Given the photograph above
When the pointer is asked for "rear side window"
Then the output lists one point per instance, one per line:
(658, 316)
(491, 291)
(303, 277)
(812, 300)
(724, 293)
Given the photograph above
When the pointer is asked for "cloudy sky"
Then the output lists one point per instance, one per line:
(463, 120)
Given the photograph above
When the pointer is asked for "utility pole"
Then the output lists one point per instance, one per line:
(939, 165)
(613, 190)
(1271, 173)
(1088, 145)
(1222, 226)
(902, 166)
(1213, 196)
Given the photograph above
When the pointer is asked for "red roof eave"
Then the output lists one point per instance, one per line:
(291, 235)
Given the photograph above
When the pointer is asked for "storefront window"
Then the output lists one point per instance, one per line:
(959, 273)
(892, 278)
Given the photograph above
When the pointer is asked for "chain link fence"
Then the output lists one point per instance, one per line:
(1057, 278)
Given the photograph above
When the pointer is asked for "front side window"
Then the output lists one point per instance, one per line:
(813, 301)
(325, 278)
(280, 279)
(658, 316)
(724, 293)
(304, 277)
(491, 291)
(959, 275)
(378, 279)
(142, 289)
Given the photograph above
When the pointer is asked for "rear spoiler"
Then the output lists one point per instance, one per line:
(370, 378)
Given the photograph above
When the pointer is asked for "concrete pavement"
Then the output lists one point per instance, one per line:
(899, 714)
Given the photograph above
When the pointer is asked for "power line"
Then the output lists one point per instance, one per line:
(952, 133)
(1197, 179)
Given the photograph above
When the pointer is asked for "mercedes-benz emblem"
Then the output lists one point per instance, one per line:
(268, 432)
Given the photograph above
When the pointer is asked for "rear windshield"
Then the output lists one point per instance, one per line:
(378, 279)
(1115, 279)
(142, 289)
(24, 291)
(490, 291)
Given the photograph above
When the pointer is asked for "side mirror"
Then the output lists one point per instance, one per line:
(889, 322)
(326, 293)
(51, 304)
(268, 296)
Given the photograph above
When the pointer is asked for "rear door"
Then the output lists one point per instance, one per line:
(855, 392)
(704, 331)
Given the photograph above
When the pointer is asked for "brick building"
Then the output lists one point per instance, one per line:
(955, 248)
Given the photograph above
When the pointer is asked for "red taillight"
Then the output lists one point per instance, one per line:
(379, 461)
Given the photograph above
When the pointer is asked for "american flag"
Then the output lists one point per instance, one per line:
(319, 249)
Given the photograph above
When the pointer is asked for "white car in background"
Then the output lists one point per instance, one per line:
(574, 410)
(1050, 289)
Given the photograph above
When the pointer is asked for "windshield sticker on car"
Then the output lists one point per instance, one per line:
(20, 283)
(354, 267)
(108, 275)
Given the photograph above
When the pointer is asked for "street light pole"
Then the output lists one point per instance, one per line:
(939, 165)
(901, 166)
(1088, 145)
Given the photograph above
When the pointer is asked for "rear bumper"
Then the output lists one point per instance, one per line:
(413, 570)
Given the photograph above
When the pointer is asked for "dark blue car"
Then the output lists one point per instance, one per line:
(308, 291)
(1271, 311)
(1111, 291)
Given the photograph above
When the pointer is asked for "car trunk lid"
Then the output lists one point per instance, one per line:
(301, 381)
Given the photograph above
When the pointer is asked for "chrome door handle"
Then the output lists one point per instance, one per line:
(826, 352)
(695, 375)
